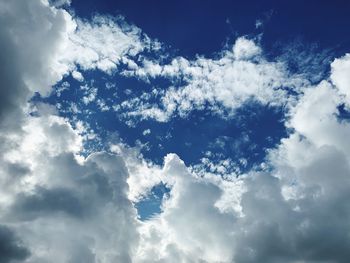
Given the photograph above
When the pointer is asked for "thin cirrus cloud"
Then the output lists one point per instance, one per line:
(59, 205)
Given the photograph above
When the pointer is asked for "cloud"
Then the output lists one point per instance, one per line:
(222, 84)
(59, 206)
(77, 206)
(245, 49)
(33, 65)
(340, 75)
(59, 3)
(283, 214)
(78, 76)
(143, 175)
(11, 248)
(103, 43)
(48, 202)
(38, 61)
(191, 200)
(146, 132)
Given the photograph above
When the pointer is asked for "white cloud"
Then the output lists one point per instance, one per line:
(62, 207)
(340, 75)
(279, 216)
(59, 3)
(143, 175)
(315, 116)
(77, 75)
(221, 84)
(146, 132)
(69, 42)
(103, 43)
(191, 200)
(90, 95)
(56, 201)
(245, 49)
(31, 63)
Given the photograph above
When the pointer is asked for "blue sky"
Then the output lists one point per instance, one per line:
(204, 28)
(174, 131)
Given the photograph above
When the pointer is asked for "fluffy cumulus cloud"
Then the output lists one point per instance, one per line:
(58, 205)
(294, 212)
(340, 76)
(65, 208)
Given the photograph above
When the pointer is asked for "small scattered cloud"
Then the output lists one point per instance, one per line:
(146, 132)
(78, 76)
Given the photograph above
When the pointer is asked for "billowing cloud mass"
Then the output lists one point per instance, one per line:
(60, 205)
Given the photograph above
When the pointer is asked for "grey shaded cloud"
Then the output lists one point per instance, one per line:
(11, 247)
(12, 90)
(48, 202)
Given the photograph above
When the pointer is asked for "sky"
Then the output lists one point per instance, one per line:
(174, 131)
